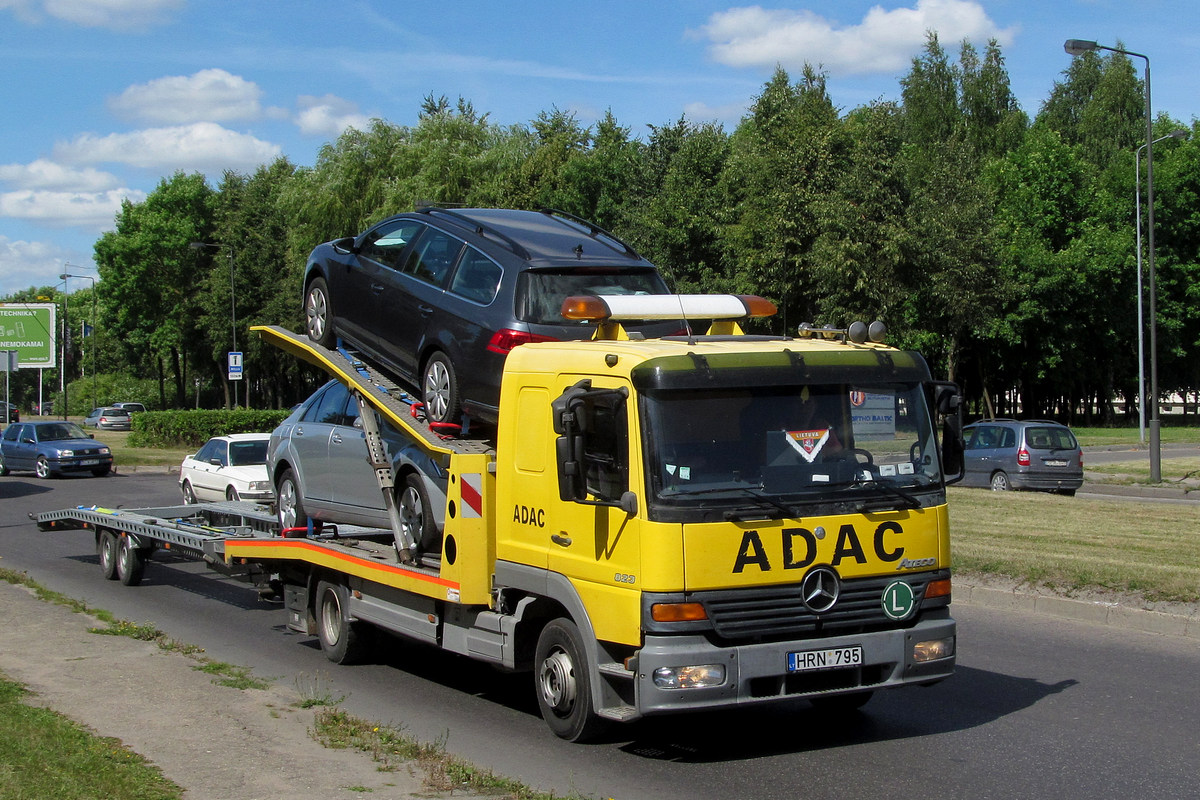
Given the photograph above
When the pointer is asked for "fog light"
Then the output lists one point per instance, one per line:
(694, 677)
(933, 649)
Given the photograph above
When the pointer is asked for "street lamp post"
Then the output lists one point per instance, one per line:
(1137, 188)
(232, 301)
(95, 330)
(1077, 47)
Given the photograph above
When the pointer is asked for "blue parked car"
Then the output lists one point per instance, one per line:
(52, 448)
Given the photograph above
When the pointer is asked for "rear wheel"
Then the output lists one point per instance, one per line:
(1000, 482)
(416, 516)
(106, 549)
(318, 314)
(342, 640)
(440, 387)
(131, 562)
(564, 687)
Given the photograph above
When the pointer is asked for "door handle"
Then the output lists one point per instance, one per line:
(560, 540)
(336, 438)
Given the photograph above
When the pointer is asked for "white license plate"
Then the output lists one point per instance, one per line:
(833, 658)
(1058, 462)
(89, 462)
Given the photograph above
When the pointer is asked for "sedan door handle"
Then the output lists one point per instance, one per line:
(377, 288)
(559, 539)
(336, 438)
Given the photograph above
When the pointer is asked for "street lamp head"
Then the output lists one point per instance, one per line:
(1078, 47)
(1178, 133)
(199, 245)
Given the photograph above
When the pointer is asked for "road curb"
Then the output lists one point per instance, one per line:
(1112, 614)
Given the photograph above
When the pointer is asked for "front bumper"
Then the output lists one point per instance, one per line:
(757, 673)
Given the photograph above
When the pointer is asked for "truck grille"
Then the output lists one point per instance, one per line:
(774, 611)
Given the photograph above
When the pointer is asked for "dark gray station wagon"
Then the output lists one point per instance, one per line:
(1022, 454)
(442, 296)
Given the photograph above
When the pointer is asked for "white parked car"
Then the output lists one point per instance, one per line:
(232, 467)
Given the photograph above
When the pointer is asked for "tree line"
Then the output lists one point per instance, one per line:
(1001, 247)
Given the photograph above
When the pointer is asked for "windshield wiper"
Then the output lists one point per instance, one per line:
(764, 501)
(909, 500)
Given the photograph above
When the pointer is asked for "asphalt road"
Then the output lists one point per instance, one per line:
(1040, 707)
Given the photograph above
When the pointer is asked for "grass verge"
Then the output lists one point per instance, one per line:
(44, 754)
(1072, 544)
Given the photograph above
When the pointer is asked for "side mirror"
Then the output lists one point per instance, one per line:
(948, 402)
(345, 245)
(592, 447)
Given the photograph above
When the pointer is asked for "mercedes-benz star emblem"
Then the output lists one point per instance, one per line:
(819, 589)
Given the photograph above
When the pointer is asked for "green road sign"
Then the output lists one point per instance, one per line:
(29, 329)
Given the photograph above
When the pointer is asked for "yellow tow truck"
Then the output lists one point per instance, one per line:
(654, 526)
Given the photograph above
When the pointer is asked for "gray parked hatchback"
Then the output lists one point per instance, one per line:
(1022, 454)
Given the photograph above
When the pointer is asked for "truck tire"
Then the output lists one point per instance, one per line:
(131, 562)
(106, 549)
(342, 640)
(439, 388)
(563, 683)
(416, 514)
(318, 314)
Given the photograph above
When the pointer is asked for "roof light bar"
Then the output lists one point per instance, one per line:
(666, 306)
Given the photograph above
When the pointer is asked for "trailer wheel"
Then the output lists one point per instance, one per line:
(318, 314)
(342, 640)
(564, 687)
(106, 548)
(131, 562)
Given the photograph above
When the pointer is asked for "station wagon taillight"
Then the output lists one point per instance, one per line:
(506, 339)
(1023, 457)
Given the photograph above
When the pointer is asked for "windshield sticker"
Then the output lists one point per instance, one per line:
(808, 443)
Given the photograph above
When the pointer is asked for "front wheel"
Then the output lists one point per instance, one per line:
(232, 495)
(318, 314)
(42, 468)
(342, 640)
(440, 389)
(289, 505)
(564, 686)
(189, 494)
(1000, 482)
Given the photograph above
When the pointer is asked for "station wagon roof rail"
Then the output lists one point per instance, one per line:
(479, 228)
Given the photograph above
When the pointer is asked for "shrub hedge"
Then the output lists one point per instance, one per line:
(194, 428)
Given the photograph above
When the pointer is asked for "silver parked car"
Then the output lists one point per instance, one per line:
(109, 418)
(1022, 454)
(317, 459)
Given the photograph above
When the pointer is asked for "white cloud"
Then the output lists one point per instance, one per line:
(209, 95)
(727, 115)
(202, 146)
(112, 14)
(93, 211)
(26, 264)
(43, 174)
(885, 41)
(328, 115)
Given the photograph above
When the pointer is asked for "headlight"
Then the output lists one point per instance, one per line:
(933, 649)
(690, 677)
(66, 453)
(259, 486)
(104, 451)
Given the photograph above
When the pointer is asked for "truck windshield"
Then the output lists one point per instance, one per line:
(781, 449)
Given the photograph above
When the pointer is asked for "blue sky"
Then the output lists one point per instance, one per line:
(103, 98)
